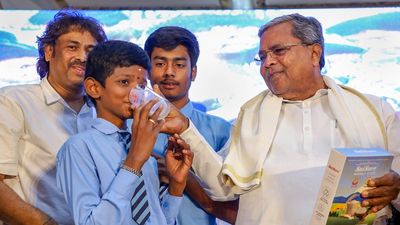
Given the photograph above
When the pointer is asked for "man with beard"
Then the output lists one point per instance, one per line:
(36, 119)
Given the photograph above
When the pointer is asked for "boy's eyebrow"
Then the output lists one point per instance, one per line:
(180, 58)
(160, 57)
(135, 76)
(125, 75)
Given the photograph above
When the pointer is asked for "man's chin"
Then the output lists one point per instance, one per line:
(78, 78)
(78, 83)
(171, 98)
(77, 73)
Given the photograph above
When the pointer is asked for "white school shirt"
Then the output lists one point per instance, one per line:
(294, 167)
(34, 122)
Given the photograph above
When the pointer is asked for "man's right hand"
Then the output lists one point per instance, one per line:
(175, 122)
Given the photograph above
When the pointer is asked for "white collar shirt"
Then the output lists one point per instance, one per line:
(34, 122)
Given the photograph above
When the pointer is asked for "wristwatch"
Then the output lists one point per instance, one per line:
(127, 168)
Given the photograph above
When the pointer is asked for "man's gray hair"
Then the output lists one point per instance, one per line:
(307, 29)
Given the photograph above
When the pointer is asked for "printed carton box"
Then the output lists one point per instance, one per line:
(346, 176)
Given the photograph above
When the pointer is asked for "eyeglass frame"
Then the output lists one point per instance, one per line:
(275, 51)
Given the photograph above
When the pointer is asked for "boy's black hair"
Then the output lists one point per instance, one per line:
(105, 57)
(63, 22)
(169, 37)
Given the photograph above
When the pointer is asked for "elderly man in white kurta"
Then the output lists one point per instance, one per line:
(282, 139)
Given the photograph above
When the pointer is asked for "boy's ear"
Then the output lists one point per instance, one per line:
(194, 73)
(92, 87)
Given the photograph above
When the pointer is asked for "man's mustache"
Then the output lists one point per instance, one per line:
(77, 63)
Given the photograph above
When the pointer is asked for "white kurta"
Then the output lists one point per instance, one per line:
(293, 168)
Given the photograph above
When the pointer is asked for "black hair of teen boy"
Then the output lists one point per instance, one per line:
(169, 37)
(107, 56)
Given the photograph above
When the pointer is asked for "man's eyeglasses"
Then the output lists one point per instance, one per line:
(279, 50)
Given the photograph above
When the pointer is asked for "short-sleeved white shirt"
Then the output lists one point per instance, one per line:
(34, 122)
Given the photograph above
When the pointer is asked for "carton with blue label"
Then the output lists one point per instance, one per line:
(346, 176)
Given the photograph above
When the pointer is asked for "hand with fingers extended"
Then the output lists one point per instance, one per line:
(175, 122)
(145, 129)
(178, 161)
(384, 190)
(162, 169)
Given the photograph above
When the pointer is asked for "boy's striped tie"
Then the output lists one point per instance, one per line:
(139, 203)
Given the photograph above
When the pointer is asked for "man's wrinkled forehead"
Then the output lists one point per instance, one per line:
(278, 33)
(287, 24)
(76, 28)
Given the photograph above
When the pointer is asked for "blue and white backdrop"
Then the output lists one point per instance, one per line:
(362, 48)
